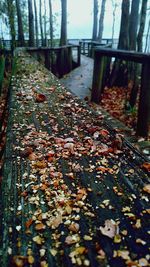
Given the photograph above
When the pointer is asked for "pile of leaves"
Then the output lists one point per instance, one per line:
(116, 101)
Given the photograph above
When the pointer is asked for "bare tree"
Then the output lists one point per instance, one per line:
(142, 25)
(124, 26)
(20, 25)
(51, 22)
(10, 11)
(45, 34)
(36, 24)
(31, 23)
(147, 37)
(114, 6)
(101, 21)
(63, 37)
(133, 24)
(95, 20)
(41, 22)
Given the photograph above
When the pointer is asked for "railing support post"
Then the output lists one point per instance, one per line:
(144, 101)
(97, 78)
(79, 55)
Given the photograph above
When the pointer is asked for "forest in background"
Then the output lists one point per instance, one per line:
(38, 20)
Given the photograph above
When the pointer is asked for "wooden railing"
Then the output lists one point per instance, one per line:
(5, 76)
(144, 102)
(87, 46)
(60, 60)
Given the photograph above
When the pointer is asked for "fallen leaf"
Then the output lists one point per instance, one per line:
(146, 188)
(74, 227)
(19, 261)
(72, 239)
(110, 229)
(146, 166)
(28, 223)
(37, 239)
(40, 98)
(40, 226)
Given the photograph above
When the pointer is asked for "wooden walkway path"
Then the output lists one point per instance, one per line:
(73, 192)
(79, 81)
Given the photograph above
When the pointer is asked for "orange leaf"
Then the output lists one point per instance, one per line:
(28, 223)
(104, 132)
(40, 226)
(146, 166)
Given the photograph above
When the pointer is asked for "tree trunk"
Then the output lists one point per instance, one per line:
(95, 11)
(36, 24)
(133, 24)
(124, 27)
(45, 35)
(51, 22)
(118, 74)
(114, 6)
(147, 37)
(41, 22)
(142, 25)
(63, 37)
(31, 23)
(10, 10)
(20, 25)
(101, 21)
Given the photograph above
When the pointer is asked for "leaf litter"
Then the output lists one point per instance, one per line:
(73, 185)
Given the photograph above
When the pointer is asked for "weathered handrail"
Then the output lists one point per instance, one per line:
(144, 101)
(57, 59)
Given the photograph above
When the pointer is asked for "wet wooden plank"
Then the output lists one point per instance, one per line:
(58, 192)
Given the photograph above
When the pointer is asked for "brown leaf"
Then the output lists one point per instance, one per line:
(26, 152)
(19, 261)
(40, 98)
(40, 226)
(146, 188)
(74, 227)
(146, 166)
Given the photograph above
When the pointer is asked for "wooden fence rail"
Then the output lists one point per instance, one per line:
(60, 60)
(144, 102)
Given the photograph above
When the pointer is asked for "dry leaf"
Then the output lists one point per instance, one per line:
(146, 166)
(30, 259)
(74, 227)
(72, 239)
(146, 188)
(40, 226)
(110, 229)
(40, 98)
(28, 223)
(19, 261)
(37, 239)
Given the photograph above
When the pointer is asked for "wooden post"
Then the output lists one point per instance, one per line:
(79, 55)
(47, 59)
(144, 102)
(69, 59)
(83, 48)
(97, 77)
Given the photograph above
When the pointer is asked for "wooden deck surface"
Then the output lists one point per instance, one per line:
(73, 192)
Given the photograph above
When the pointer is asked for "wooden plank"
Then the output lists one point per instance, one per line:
(85, 186)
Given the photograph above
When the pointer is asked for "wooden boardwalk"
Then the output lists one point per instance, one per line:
(73, 192)
(79, 81)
